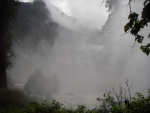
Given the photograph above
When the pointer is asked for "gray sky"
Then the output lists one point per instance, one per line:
(88, 12)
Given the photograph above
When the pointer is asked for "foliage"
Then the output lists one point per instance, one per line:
(9, 97)
(10, 109)
(140, 103)
(108, 104)
(135, 25)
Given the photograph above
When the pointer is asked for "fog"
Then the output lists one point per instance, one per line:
(86, 60)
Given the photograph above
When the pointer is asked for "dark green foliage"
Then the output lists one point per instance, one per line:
(81, 109)
(11, 109)
(135, 25)
(146, 49)
(35, 107)
(138, 104)
(54, 107)
(15, 98)
(108, 104)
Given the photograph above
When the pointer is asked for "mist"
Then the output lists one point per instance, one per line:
(86, 59)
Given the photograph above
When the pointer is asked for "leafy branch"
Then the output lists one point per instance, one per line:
(135, 25)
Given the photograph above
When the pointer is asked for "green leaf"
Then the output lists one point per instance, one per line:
(146, 49)
(126, 27)
(139, 38)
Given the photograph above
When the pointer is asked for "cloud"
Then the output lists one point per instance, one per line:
(26, 0)
(89, 13)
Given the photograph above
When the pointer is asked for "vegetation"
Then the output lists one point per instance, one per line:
(12, 97)
(136, 24)
(13, 101)
(112, 103)
(43, 87)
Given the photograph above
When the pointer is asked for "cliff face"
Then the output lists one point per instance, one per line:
(36, 26)
(40, 41)
(33, 25)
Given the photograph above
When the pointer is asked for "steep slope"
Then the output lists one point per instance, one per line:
(33, 25)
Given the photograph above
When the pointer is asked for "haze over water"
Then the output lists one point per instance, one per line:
(85, 61)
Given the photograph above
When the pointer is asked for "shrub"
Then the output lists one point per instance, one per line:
(138, 104)
(9, 97)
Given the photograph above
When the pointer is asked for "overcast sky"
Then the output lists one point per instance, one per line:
(88, 12)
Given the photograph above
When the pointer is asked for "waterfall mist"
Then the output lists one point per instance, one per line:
(86, 60)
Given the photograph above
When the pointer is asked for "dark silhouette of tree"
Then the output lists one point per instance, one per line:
(136, 24)
(7, 15)
(39, 85)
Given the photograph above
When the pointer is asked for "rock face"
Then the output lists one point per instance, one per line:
(33, 27)
(35, 33)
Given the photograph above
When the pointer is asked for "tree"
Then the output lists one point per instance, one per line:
(43, 86)
(135, 25)
(7, 14)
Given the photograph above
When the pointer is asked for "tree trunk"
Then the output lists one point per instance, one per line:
(3, 61)
(7, 15)
(3, 77)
